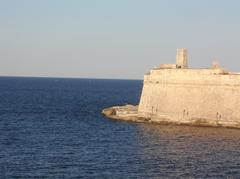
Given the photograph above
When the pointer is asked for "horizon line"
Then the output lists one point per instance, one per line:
(94, 78)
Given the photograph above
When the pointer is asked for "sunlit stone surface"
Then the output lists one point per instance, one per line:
(174, 93)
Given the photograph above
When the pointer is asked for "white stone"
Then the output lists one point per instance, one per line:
(187, 96)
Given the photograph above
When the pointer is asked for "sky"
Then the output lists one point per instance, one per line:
(116, 39)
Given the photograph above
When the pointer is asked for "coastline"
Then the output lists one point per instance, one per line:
(130, 113)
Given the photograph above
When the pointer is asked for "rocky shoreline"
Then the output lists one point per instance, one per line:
(130, 113)
(127, 113)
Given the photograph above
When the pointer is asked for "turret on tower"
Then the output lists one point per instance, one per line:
(182, 58)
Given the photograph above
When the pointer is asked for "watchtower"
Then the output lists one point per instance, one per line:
(182, 58)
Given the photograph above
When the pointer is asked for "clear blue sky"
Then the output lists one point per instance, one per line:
(114, 38)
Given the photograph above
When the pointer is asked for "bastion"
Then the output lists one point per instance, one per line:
(177, 94)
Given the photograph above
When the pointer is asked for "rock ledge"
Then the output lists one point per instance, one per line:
(130, 113)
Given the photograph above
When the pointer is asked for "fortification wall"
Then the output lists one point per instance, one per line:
(191, 96)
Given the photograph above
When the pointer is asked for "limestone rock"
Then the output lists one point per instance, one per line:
(177, 94)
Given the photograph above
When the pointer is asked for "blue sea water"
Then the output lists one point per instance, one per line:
(53, 128)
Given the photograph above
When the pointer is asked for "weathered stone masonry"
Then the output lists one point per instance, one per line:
(210, 96)
(173, 93)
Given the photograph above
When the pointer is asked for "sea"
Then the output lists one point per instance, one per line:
(52, 128)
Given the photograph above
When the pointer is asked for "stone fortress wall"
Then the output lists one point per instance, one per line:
(174, 93)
